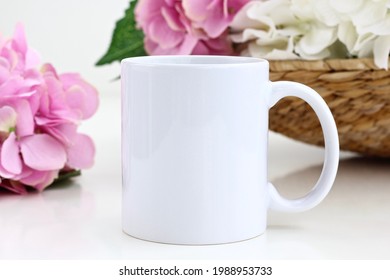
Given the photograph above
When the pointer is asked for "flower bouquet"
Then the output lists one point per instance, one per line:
(340, 48)
(40, 111)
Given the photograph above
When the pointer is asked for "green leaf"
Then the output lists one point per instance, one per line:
(127, 40)
(65, 175)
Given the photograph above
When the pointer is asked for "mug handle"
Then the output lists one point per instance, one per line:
(324, 184)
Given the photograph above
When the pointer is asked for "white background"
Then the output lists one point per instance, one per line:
(81, 219)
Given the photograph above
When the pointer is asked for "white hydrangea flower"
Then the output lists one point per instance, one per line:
(363, 26)
(315, 29)
(360, 12)
(282, 29)
(258, 24)
(381, 51)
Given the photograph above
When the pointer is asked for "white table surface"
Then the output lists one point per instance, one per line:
(81, 219)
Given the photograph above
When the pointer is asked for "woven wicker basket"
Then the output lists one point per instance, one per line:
(357, 92)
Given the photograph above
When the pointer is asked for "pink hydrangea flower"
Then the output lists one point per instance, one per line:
(187, 26)
(39, 115)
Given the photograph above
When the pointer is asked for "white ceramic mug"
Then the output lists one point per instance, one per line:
(194, 148)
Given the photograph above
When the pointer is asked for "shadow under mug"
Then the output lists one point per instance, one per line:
(194, 148)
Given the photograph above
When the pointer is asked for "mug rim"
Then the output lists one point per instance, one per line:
(193, 60)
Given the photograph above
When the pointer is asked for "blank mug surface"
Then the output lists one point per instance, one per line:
(194, 148)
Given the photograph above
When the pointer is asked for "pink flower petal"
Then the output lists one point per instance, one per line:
(11, 87)
(11, 57)
(196, 10)
(234, 6)
(187, 45)
(66, 133)
(42, 152)
(215, 4)
(201, 49)
(172, 19)
(25, 120)
(147, 10)
(55, 92)
(160, 32)
(26, 171)
(80, 95)
(150, 46)
(219, 46)
(81, 154)
(225, 8)
(19, 42)
(34, 101)
(4, 63)
(53, 103)
(185, 48)
(47, 180)
(45, 121)
(7, 119)
(174, 27)
(32, 77)
(78, 101)
(4, 173)
(4, 74)
(183, 18)
(212, 16)
(216, 23)
(10, 157)
(170, 2)
(40, 179)
(44, 102)
(49, 70)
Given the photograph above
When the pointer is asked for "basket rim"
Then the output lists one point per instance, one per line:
(334, 64)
